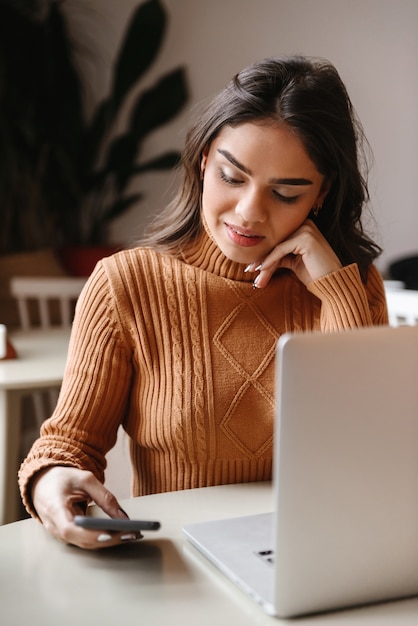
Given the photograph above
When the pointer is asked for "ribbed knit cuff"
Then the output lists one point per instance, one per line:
(344, 299)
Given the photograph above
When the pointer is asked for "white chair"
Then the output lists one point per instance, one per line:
(402, 306)
(43, 291)
(36, 296)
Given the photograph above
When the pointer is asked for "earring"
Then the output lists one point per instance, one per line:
(316, 209)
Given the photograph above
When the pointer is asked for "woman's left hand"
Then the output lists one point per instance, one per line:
(306, 252)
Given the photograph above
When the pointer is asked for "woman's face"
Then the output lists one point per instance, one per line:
(259, 186)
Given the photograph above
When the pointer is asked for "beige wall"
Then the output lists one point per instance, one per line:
(373, 43)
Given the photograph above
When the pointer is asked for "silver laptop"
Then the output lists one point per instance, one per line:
(345, 527)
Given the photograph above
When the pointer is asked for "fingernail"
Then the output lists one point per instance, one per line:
(124, 513)
(258, 268)
(130, 537)
(104, 537)
(255, 283)
(249, 267)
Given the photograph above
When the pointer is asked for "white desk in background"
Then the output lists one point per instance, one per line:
(156, 581)
(40, 364)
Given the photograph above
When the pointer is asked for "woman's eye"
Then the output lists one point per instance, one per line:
(286, 199)
(228, 179)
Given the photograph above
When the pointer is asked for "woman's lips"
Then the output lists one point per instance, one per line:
(242, 237)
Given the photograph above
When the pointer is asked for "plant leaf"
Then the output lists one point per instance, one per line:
(121, 205)
(154, 107)
(166, 161)
(159, 104)
(140, 46)
(120, 160)
(93, 138)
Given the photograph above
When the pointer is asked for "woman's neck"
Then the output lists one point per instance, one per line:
(204, 253)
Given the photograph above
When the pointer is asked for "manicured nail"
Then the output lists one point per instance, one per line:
(128, 537)
(249, 267)
(104, 537)
(258, 268)
(255, 283)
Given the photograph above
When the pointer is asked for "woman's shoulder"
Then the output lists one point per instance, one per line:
(134, 266)
(119, 281)
(130, 255)
(130, 259)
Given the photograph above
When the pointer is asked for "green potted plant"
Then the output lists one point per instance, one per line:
(63, 179)
(110, 161)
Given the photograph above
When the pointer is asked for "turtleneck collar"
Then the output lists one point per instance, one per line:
(205, 254)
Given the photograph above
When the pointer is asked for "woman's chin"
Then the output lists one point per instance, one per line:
(243, 257)
(241, 254)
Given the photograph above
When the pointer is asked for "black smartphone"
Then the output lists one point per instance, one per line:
(115, 525)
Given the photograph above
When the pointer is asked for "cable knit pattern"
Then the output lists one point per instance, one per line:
(181, 352)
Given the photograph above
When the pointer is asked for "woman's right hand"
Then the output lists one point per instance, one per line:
(306, 253)
(59, 493)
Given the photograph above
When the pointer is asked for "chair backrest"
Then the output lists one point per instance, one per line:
(402, 306)
(44, 290)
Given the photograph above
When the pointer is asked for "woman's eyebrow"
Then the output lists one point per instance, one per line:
(275, 181)
(291, 181)
(234, 161)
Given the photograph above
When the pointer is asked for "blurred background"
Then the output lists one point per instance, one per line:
(373, 43)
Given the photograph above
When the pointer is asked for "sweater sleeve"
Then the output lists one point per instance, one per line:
(94, 393)
(348, 303)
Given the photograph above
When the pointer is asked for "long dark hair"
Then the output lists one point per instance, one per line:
(309, 96)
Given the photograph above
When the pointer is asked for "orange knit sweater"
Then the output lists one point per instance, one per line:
(181, 352)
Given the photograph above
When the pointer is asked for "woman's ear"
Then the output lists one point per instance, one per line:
(203, 161)
(326, 186)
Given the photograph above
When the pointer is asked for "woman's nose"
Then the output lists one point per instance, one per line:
(251, 207)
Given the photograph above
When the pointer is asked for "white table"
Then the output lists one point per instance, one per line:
(156, 581)
(40, 365)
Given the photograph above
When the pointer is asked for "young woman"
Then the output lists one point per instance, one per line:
(175, 339)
